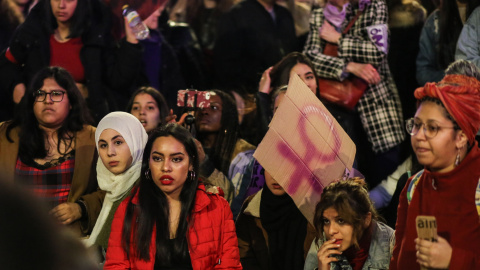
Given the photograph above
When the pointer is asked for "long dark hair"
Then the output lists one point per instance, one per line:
(153, 210)
(80, 21)
(156, 95)
(31, 136)
(280, 73)
(450, 26)
(350, 199)
(222, 150)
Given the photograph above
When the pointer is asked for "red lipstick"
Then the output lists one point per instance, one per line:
(166, 180)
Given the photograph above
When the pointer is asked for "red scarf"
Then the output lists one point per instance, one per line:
(358, 257)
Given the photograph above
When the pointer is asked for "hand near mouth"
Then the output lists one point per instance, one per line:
(326, 252)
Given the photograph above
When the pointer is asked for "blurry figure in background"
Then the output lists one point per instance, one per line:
(378, 131)
(217, 130)
(349, 233)
(248, 117)
(49, 147)
(448, 188)
(120, 142)
(178, 11)
(12, 14)
(439, 37)
(405, 22)
(160, 68)
(148, 106)
(272, 232)
(430, 5)
(30, 239)
(76, 36)
(203, 16)
(185, 44)
(252, 36)
(170, 221)
(301, 17)
(468, 46)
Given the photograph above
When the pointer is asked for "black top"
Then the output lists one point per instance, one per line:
(183, 263)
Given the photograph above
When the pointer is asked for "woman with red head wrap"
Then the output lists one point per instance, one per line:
(443, 139)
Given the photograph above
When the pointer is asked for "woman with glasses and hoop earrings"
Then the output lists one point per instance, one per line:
(49, 147)
(448, 188)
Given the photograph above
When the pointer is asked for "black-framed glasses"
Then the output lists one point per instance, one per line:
(55, 95)
(430, 128)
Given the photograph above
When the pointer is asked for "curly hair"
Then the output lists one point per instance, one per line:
(352, 202)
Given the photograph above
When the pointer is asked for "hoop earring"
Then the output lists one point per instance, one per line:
(147, 174)
(191, 174)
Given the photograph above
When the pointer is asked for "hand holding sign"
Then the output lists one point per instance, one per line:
(432, 251)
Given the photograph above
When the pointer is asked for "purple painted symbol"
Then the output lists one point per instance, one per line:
(376, 35)
(313, 153)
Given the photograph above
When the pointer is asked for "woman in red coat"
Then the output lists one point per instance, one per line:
(170, 221)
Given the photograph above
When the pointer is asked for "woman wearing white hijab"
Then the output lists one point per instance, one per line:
(120, 139)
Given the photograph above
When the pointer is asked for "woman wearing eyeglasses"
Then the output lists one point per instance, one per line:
(49, 147)
(443, 139)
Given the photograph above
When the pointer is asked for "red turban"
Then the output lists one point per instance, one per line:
(461, 97)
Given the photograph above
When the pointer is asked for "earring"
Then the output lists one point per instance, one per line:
(457, 159)
(147, 174)
(191, 174)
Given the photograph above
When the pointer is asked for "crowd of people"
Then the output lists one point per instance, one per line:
(115, 172)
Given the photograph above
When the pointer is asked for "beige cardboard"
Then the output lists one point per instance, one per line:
(305, 148)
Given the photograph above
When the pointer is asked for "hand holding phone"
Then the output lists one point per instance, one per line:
(193, 99)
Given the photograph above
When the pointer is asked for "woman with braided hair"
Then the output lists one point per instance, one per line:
(217, 130)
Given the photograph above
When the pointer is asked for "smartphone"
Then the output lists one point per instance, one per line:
(193, 99)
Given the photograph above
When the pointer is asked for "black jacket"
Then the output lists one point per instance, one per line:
(109, 66)
(249, 41)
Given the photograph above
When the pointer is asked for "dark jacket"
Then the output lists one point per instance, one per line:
(405, 24)
(253, 238)
(248, 42)
(165, 76)
(108, 66)
(187, 50)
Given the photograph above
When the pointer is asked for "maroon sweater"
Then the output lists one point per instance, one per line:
(453, 205)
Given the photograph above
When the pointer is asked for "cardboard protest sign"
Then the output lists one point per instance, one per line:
(426, 229)
(305, 148)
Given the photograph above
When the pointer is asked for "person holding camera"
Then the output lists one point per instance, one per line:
(217, 130)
